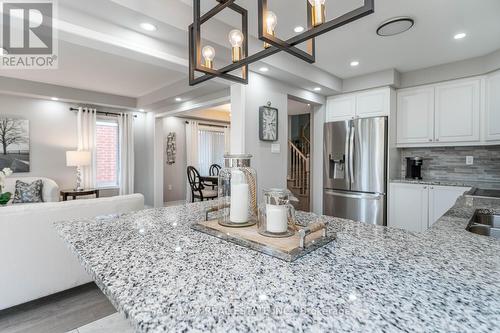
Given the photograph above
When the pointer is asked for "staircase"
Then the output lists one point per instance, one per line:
(298, 172)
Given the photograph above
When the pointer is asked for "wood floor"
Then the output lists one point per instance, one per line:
(58, 313)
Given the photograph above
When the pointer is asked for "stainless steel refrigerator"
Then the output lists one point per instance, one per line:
(355, 170)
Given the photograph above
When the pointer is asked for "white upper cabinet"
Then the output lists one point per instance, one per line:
(445, 114)
(492, 109)
(415, 116)
(373, 103)
(341, 108)
(457, 111)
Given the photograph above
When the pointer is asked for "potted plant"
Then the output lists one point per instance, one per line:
(4, 197)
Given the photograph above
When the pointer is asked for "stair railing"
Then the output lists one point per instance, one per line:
(299, 169)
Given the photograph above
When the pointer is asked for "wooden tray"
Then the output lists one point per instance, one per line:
(289, 249)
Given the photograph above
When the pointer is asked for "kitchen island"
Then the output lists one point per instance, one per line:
(164, 276)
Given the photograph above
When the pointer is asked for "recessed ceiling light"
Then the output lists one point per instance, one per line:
(395, 26)
(354, 63)
(460, 35)
(264, 69)
(141, 110)
(178, 99)
(148, 26)
(54, 98)
(298, 29)
(317, 89)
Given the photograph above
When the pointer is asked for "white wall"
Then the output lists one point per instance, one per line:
(53, 132)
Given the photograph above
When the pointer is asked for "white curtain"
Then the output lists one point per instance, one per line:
(86, 129)
(211, 148)
(126, 128)
(227, 140)
(191, 151)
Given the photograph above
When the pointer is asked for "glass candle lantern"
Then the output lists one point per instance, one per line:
(237, 202)
(276, 214)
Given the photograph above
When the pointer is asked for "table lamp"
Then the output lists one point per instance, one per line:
(78, 159)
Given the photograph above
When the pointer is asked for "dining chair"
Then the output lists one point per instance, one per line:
(198, 190)
(214, 169)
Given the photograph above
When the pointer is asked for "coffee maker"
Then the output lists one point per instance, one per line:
(414, 167)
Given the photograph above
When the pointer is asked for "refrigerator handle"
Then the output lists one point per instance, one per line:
(351, 153)
(347, 162)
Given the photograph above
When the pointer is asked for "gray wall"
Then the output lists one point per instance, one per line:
(448, 163)
(174, 175)
(53, 132)
(271, 168)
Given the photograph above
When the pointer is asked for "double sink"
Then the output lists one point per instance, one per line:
(485, 222)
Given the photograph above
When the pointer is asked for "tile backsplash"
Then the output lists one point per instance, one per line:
(448, 163)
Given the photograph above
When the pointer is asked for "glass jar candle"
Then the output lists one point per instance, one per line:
(276, 214)
(237, 197)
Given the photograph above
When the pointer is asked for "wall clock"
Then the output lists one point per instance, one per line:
(268, 123)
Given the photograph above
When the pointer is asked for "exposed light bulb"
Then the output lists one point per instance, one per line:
(318, 12)
(460, 35)
(271, 22)
(236, 39)
(208, 54)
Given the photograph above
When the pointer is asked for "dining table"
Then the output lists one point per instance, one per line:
(212, 180)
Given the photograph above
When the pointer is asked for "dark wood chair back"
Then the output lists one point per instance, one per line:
(214, 170)
(194, 179)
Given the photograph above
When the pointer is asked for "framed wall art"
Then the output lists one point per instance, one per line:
(15, 144)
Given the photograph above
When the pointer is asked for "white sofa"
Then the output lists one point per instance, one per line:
(34, 260)
(50, 190)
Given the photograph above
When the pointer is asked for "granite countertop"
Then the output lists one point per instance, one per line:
(164, 276)
(450, 182)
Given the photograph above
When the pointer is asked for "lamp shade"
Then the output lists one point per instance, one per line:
(78, 158)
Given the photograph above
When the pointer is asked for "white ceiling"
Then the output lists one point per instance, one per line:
(429, 43)
(115, 70)
(296, 107)
(90, 69)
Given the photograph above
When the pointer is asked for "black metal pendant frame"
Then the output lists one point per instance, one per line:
(277, 45)
(309, 56)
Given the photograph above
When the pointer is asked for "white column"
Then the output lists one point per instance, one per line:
(238, 107)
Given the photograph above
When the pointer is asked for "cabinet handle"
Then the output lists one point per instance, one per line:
(437, 139)
(432, 187)
(425, 187)
(430, 140)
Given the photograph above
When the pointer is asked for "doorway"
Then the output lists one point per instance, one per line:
(299, 152)
(197, 139)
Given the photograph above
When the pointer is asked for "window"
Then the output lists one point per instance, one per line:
(211, 147)
(107, 153)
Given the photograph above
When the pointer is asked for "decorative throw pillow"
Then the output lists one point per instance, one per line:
(28, 193)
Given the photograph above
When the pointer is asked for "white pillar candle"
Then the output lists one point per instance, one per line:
(239, 203)
(277, 218)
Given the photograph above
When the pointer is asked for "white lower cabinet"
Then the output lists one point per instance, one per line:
(416, 207)
(441, 199)
(409, 206)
